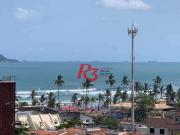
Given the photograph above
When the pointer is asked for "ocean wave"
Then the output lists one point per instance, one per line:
(39, 92)
(91, 91)
(81, 90)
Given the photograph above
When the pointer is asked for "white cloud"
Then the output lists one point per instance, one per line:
(124, 4)
(21, 13)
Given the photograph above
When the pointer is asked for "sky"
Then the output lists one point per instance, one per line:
(89, 30)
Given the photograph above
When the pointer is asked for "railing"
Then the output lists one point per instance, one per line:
(8, 78)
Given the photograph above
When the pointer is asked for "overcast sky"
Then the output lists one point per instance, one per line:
(88, 30)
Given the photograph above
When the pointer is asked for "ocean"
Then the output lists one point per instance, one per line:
(39, 76)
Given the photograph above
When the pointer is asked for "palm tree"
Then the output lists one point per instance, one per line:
(115, 99)
(125, 81)
(51, 100)
(82, 101)
(157, 80)
(93, 100)
(86, 84)
(155, 90)
(170, 94)
(86, 101)
(58, 83)
(42, 98)
(100, 99)
(146, 88)
(157, 85)
(33, 97)
(138, 87)
(107, 97)
(117, 96)
(110, 81)
(124, 96)
(118, 91)
(74, 98)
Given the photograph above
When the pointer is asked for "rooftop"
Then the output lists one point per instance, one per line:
(159, 105)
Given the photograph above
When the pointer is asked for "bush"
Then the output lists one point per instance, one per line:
(70, 123)
(107, 121)
(20, 131)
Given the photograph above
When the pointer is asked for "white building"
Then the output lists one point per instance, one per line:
(39, 121)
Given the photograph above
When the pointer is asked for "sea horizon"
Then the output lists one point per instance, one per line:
(39, 76)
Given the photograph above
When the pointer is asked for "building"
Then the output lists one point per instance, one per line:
(121, 111)
(120, 114)
(39, 121)
(7, 107)
(164, 123)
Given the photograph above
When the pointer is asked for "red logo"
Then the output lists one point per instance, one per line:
(88, 72)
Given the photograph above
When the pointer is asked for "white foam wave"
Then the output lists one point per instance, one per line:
(81, 90)
(25, 93)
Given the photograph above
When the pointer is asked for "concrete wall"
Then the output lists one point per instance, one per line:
(157, 131)
(141, 128)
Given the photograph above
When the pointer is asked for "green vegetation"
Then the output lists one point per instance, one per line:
(87, 84)
(33, 95)
(170, 94)
(138, 88)
(42, 99)
(125, 84)
(20, 131)
(107, 121)
(107, 100)
(70, 123)
(124, 96)
(156, 86)
(144, 104)
(92, 100)
(74, 99)
(58, 83)
(51, 100)
(100, 99)
(110, 81)
(125, 81)
(117, 96)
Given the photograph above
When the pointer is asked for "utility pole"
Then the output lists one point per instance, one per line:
(132, 33)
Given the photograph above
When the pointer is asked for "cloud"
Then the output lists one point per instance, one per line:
(24, 14)
(124, 4)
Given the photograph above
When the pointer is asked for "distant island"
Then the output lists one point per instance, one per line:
(4, 59)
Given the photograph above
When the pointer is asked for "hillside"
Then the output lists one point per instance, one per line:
(4, 59)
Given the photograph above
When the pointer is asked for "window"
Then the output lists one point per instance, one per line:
(152, 130)
(162, 131)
